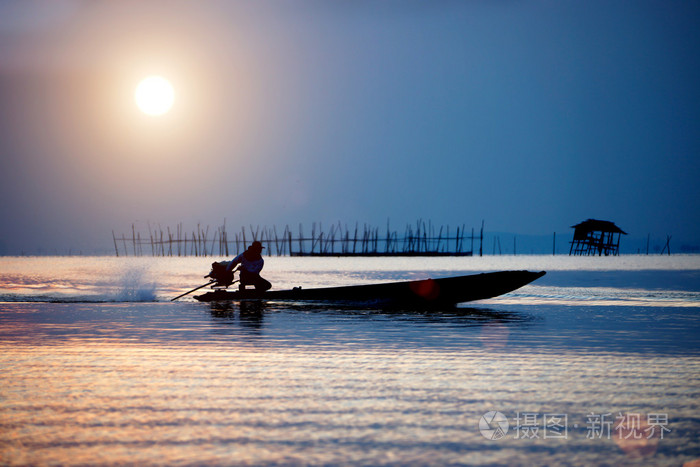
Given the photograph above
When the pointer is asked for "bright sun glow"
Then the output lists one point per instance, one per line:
(154, 95)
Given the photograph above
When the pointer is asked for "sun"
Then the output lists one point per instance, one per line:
(154, 95)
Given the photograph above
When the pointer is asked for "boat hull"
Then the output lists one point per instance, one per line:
(443, 291)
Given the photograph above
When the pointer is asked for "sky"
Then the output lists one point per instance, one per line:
(529, 115)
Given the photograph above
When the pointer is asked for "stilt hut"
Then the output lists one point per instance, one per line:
(594, 237)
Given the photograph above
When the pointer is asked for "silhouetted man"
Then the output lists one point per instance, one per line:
(251, 262)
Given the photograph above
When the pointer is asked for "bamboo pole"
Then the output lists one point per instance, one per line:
(354, 242)
(116, 250)
(648, 237)
(481, 240)
(150, 234)
(301, 236)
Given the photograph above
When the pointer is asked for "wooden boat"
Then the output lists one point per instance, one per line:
(431, 292)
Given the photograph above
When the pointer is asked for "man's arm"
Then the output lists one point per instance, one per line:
(232, 264)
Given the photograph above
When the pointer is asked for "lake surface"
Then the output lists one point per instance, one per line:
(597, 363)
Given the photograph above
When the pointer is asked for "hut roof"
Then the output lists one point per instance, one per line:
(593, 225)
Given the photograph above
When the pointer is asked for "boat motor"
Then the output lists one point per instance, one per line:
(220, 273)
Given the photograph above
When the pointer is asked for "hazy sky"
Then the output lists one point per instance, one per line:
(530, 115)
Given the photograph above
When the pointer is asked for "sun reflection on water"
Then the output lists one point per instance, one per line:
(86, 400)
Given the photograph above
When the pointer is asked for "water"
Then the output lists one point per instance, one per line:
(99, 367)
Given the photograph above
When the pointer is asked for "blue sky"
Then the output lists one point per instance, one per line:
(531, 116)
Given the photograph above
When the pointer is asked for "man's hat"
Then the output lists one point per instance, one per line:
(257, 246)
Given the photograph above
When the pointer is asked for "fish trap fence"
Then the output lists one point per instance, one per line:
(421, 239)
